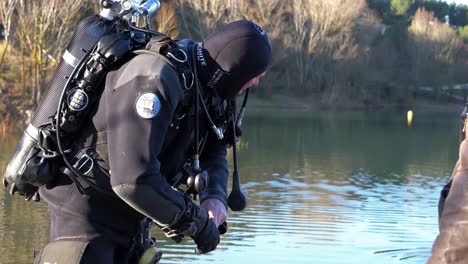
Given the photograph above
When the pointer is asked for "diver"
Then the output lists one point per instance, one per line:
(164, 118)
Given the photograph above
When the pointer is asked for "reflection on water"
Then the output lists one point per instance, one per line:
(323, 188)
(24, 226)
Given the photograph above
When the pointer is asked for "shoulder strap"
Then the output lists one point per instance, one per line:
(175, 56)
(170, 52)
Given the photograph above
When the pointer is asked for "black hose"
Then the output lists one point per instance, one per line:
(240, 116)
(57, 123)
(154, 33)
(197, 123)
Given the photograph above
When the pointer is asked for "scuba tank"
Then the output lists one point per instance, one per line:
(29, 166)
(87, 34)
(25, 165)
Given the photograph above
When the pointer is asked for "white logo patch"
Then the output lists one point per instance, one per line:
(148, 105)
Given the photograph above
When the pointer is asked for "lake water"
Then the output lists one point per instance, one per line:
(323, 188)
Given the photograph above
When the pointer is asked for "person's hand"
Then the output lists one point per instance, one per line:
(207, 239)
(29, 191)
(196, 224)
(216, 210)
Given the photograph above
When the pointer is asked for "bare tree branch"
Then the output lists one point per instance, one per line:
(44, 27)
(7, 7)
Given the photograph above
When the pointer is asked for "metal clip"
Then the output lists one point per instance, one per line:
(183, 60)
(196, 163)
(187, 87)
(48, 154)
(80, 163)
(218, 131)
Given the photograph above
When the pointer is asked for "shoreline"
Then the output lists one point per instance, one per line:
(307, 104)
(288, 105)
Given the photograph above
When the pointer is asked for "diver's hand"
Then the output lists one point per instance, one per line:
(30, 191)
(207, 239)
(196, 224)
(216, 210)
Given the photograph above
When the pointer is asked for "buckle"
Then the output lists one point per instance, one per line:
(85, 162)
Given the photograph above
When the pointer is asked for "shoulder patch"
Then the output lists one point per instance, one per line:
(148, 105)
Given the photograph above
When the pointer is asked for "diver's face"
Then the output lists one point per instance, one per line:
(253, 82)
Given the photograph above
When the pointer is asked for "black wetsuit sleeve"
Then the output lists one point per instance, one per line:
(213, 160)
(135, 138)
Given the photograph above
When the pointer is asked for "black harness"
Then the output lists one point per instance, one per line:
(93, 145)
(68, 149)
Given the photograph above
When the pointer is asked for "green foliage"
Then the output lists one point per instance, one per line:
(458, 15)
(462, 33)
(400, 7)
(387, 9)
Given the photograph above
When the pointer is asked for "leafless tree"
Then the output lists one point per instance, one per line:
(43, 29)
(7, 8)
(165, 20)
(323, 36)
(199, 17)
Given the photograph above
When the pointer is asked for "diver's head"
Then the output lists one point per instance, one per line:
(235, 57)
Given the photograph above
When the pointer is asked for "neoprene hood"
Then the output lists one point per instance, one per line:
(233, 55)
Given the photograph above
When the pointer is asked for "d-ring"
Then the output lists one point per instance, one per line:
(81, 162)
(177, 59)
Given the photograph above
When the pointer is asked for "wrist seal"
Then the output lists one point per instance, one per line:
(191, 222)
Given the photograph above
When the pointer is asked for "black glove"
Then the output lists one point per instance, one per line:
(223, 228)
(24, 189)
(196, 224)
(207, 239)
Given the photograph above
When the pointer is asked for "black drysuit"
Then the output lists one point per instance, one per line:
(137, 148)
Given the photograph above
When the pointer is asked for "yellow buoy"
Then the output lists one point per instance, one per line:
(409, 117)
